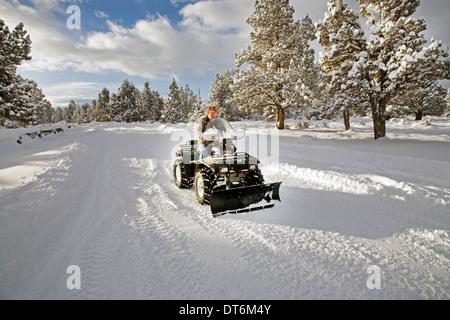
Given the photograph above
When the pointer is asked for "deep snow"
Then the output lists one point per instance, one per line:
(101, 197)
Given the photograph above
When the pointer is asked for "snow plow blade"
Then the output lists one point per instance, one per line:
(244, 199)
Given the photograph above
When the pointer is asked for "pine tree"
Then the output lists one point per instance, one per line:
(198, 109)
(77, 116)
(280, 62)
(93, 110)
(15, 91)
(70, 111)
(58, 115)
(221, 96)
(188, 100)
(67, 114)
(397, 60)
(422, 101)
(447, 100)
(15, 47)
(172, 107)
(158, 106)
(42, 108)
(343, 40)
(101, 106)
(22, 108)
(147, 101)
(45, 112)
(88, 112)
(152, 103)
(125, 104)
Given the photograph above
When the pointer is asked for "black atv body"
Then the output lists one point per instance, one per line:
(228, 181)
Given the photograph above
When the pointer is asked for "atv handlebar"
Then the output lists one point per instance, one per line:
(215, 135)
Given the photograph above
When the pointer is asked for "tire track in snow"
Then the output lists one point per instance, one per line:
(120, 225)
(255, 259)
(191, 224)
(91, 233)
(325, 258)
(318, 262)
(105, 202)
(39, 206)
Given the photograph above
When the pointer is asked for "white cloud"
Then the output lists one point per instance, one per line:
(218, 15)
(101, 14)
(178, 2)
(81, 92)
(49, 45)
(206, 39)
(151, 48)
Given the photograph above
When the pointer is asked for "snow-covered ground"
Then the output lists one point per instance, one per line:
(359, 219)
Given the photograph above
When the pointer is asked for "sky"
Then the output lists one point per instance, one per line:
(78, 53)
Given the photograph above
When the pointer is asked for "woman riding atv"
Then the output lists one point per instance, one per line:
(214, 135)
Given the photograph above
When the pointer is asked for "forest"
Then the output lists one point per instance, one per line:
(392, 72)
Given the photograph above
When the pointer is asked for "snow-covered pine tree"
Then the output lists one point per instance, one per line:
(188, 101)
(342, 38)
(280, 61)
(422, 101)
(45, 112)
(125, 104)
(57, 115)
(447, 100)
(15, 47)
(43, 109)
(220, 95)
(102, 106)
(324, 106)
(26, 101)
(87, 113)
(77, 116)
(146, 101)
(152, 103)
(93, 110)
(397, 59)
(67, 115)
(198, 110)
(310, 79)
(158, 106)
(70, 111)
(171, 112)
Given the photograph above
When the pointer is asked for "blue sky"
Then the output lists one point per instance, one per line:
(150, 40)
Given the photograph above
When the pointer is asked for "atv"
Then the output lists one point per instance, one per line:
(230, 182)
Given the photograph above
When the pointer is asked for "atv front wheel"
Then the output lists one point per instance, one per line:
(179, 175)
(203, 187)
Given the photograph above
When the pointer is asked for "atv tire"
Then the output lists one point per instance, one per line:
(203, 186)
(179, 176)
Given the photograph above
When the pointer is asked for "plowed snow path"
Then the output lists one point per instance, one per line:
(104, 200)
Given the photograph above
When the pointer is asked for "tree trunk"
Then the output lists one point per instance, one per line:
(379, 119)
(419, 115)
(280, 118)
(346, 115)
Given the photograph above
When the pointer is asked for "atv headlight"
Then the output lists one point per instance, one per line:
(223, 170)
(252, 167)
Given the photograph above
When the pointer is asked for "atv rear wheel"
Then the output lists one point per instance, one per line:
(179, 175)
(203, 186)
